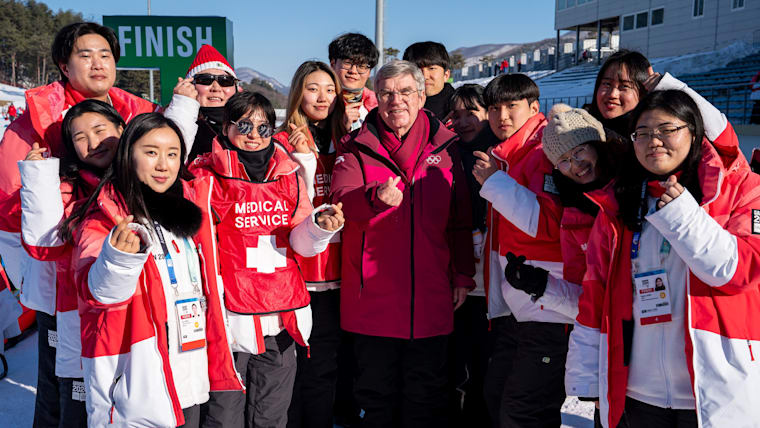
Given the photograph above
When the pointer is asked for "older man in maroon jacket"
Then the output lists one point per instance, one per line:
(407, 251)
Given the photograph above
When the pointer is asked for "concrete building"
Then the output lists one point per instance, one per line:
(657, 28)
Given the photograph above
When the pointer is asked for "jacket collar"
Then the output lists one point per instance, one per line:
(524, 140)
(46, 105)
(368, 135)
(225, 162)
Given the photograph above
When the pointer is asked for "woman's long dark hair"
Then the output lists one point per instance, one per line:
(631, 174)
(637, 66)
(70, 163)
(122, 175)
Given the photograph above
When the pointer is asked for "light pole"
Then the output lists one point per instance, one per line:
(150, 72)
(379, 6)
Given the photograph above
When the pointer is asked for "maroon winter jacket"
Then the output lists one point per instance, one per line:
(401, 263)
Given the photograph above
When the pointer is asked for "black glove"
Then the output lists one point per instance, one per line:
(527, 278)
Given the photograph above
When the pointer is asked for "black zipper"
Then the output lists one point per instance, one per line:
(361, 266)
(411, 256)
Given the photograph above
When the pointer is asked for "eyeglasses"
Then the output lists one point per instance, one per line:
(245, 126)
(224, 80)
(386, 96)
(360, 67)
(665, 132)
(577, 155)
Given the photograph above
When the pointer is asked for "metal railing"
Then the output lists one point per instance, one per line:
(733, 100)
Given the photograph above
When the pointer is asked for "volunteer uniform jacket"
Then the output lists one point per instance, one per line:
(523, 218)
(40, 218)
(719, 245)
(321, 272)
(41, 123)
(134, 374)
(254, 230)
(400, 263)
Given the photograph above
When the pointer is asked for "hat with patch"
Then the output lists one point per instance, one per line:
(208, 57)
(567, 129)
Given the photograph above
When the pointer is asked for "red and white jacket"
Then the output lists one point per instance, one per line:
(41, 123)
(125, 329)
(235, 203)
(523, 217)
(41, 215)
(321, 272)
(719, 244)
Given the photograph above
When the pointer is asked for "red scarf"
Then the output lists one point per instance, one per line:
(406, 151)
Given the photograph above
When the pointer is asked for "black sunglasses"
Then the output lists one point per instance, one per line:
(245, 127)
(207, 79)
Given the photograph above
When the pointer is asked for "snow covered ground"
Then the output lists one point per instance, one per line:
(19, 388)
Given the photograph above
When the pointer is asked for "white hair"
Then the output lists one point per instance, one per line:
(397, 68)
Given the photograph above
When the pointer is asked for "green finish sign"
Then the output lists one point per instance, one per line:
(169, 43)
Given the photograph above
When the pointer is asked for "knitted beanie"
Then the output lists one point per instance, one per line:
(207, 58)
(567, 129)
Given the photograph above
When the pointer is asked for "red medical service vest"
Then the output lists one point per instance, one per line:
(257, 264)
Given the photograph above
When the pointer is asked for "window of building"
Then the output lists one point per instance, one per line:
(699, 8)
(737, 4)
(570, 3)
(636, 21)
(658, 16)
(628, 23)
(642, 19)
(561, 4)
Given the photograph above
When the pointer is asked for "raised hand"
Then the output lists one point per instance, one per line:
(186, 87)
(298, 139)
(332, 218)
(124, 239)
(485, 166)
(389, 193)
(673, 189)
(36, 153)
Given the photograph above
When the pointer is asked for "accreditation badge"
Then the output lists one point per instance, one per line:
(653, 294)
(191, 324)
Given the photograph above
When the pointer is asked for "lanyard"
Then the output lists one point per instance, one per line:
(636, 241)
(191, 263)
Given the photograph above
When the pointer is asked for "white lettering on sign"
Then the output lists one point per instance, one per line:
(200, 40)
(154, 41)
(260, 206)
(160, 41)
(183, 33)
(267, 256)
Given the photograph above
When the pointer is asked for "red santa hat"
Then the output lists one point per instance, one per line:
(207, 58)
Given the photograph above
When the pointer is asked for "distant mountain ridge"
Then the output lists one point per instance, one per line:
(247, 74)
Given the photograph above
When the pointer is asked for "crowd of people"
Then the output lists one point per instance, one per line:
(410, 255)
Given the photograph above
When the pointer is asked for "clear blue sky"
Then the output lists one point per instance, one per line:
(275, 36)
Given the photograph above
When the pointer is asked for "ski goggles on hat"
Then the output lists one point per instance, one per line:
(245, 127)
(206, 79)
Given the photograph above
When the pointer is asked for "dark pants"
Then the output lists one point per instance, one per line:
(47, 410)
(535, 389)
(72, 403)
(469, 349)
(192, 416)
(504, 336)
(268, 379)
(314, 389)
(346, 410)
(400, 382)
(642, 415)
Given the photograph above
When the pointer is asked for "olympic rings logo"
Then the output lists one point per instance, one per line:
(433, 160)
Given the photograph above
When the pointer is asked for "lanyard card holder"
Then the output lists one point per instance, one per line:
(191, 324)
(653, 294)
